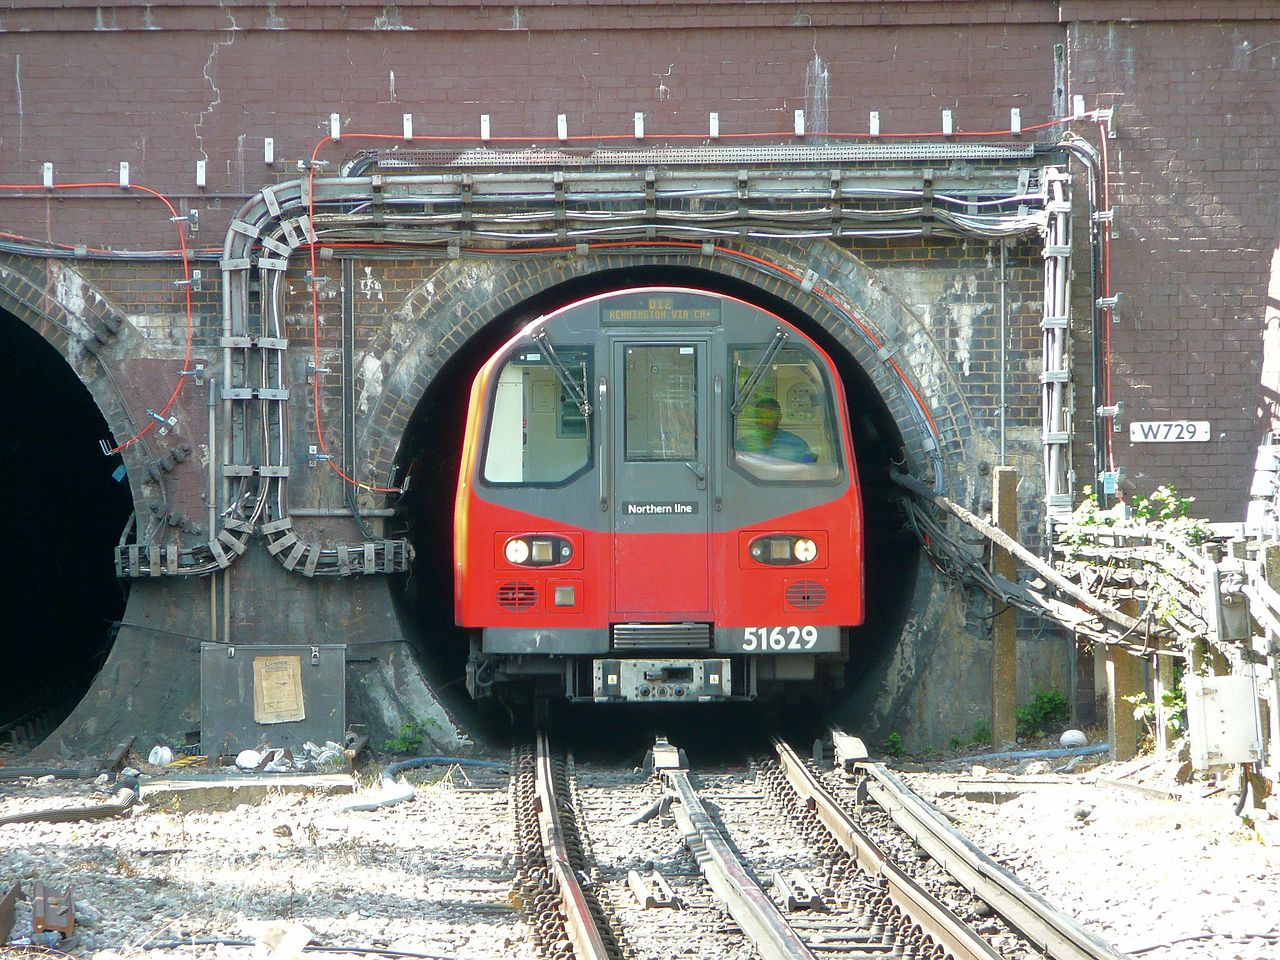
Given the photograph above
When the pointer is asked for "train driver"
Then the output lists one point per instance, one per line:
(759, 431)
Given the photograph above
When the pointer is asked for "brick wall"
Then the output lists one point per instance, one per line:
(1195, 181)
(185, 86)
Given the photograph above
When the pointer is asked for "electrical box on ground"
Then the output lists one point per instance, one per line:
(271, 695)
(1223, 720)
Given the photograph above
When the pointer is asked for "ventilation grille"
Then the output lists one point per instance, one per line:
(517, 595)
(682, 636)
(806, 595)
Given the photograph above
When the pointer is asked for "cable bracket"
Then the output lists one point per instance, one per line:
(193, 281)
(1112, 304)
(191, 218)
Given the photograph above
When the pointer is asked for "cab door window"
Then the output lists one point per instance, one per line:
(537, 433)
(660, 385)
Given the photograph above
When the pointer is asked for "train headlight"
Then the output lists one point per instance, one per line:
(538, 550)
(782, 550)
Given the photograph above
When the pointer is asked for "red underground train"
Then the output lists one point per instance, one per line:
(658, 502)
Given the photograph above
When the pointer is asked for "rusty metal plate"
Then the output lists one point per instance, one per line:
(7, 904)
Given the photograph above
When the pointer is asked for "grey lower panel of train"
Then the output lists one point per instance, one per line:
(656, 638)
(653, 662)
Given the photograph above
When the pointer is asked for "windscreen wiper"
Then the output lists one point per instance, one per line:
(749, 385)
(578, 391)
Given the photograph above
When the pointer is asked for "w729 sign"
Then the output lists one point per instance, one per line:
(1169, 431)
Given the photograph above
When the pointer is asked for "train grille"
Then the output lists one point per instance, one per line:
(682, 636)
(806, 595)
(517, 595)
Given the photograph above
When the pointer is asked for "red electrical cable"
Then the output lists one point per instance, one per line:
(186, 267)
(186, 272)
(759, 135)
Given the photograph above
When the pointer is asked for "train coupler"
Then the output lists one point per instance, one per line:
(661, 681)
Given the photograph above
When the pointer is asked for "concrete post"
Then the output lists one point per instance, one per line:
(1004, 629)
(1124, 679)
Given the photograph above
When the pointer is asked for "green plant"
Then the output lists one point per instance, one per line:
(409, 739)
(893, 745)
(1175, 709)
(1166, 509)
(1047, 709)
(1163, 505)
(981, 733)
(981, 736)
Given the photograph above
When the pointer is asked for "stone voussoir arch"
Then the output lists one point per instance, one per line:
(464, 297)
(84, 337)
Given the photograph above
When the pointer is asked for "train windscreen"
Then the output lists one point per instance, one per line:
(785, 431)
(538, 434)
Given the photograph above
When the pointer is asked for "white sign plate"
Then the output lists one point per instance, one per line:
(1169, 431)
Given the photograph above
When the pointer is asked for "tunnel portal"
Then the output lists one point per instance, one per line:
(65, 506)
(432, 441)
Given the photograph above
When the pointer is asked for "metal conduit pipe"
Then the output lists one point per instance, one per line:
(1089, 158)
(1004, 281)
(278, 219)
(1055, 372)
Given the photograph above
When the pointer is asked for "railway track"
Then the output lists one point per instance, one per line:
(565, 916)
(772, 857)
(26, 722)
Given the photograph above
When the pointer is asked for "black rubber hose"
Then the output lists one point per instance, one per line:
(126, 796)
(18, 773)
(1244, 788)
(393, 770)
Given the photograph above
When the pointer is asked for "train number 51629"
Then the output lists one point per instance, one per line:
(763, 639)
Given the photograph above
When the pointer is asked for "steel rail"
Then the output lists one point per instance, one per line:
(1053, 932)
(747, 903)
(925, 910)
(580, 926)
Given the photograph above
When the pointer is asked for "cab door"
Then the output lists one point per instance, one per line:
(661, 458)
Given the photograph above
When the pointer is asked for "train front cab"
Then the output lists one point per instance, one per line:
(658, 502)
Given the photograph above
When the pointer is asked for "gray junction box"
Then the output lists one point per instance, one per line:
(1223, 720)
(271, 695)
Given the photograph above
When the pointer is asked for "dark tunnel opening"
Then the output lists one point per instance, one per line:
(431, 450)
(64, 507)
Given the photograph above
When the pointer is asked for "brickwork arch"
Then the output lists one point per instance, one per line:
(463, 298)
(71, 316)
